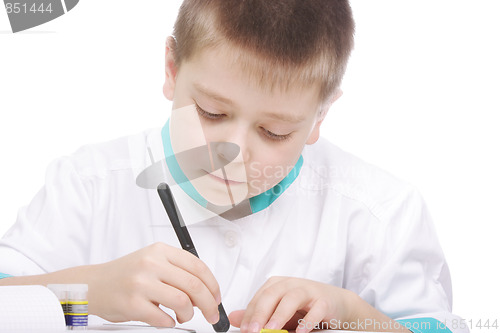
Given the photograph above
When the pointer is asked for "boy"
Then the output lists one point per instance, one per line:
(292, 232)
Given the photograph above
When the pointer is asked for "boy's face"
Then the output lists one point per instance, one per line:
(270, 127)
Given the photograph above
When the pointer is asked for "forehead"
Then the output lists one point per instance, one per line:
(220, 79)
(226, 65)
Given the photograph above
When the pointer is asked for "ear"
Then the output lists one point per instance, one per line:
(170, 69)
(314, 136)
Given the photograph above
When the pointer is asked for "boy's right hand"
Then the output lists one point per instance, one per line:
(133, 286)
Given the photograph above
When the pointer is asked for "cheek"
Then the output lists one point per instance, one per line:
(185, 129)
(271, 164)
(212, 131)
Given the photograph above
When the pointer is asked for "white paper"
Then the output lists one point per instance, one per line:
(30, 308)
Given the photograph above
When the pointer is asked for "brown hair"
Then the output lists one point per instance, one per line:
(280, 42)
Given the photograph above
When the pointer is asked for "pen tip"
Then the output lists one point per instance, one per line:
(162, 186)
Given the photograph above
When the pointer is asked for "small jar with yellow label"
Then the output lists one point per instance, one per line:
(73, 298)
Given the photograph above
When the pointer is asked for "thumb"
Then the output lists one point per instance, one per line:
(236, 317)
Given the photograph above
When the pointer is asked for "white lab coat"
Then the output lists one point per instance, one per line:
(342, 222)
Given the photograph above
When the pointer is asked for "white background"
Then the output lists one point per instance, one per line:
(421, 100)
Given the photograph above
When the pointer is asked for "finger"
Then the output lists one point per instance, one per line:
(270, 282)
(196, 292)
(292, 324)
(171, 298)
(196, 267)
(291, 302)
(153, 315)
(236, 317)
(252, 305)
(261, 308)
(315, 315)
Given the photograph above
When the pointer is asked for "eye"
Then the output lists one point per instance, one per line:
(208, 115)
(275, 137)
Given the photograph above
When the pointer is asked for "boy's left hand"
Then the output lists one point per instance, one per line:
(282, 301)
(300, 304)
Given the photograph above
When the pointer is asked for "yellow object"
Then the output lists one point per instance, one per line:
(266, 330)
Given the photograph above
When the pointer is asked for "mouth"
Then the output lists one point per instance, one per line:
(224, 181)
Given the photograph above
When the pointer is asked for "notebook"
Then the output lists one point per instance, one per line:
(30, 308)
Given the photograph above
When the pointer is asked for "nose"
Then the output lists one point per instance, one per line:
(233, 143)
(225, 152)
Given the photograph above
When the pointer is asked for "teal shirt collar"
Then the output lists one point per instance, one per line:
(256, 203)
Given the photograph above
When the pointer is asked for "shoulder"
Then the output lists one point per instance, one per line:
(329, 169)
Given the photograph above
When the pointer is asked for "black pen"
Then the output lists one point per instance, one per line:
(187, 244)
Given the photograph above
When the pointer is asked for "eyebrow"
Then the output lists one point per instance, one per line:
(212, 94)
(284, 117)
(278, 116)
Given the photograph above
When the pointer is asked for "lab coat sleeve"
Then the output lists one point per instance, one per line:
(408, 276)
(51, 233)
